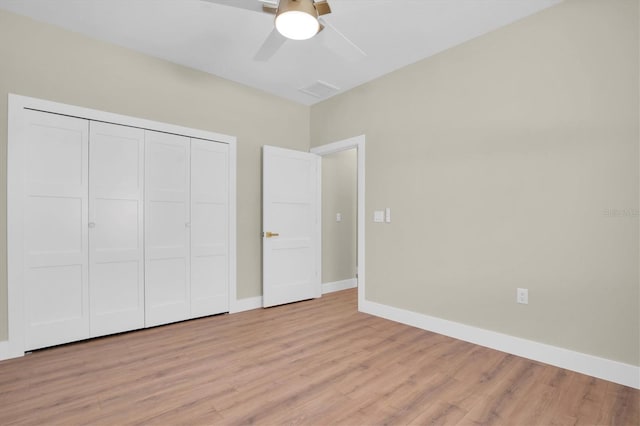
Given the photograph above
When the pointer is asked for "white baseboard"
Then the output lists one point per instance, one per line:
(246, 304)
(9, 352)
(602, 368)
(339, 285)
(4, 350)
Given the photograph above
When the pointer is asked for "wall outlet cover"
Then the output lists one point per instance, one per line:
(522, 296)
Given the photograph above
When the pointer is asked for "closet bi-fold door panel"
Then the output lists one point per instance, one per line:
(209, 228)
(116, 238)
(167, 176)
(56, 295)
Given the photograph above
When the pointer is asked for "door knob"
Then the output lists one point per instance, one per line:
(271, 234)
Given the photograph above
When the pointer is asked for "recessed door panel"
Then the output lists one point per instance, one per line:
(209, 225)
(170, 292)
(116, 224)
(55, 226)
(167, 181)
(209, 285)
(51, 139)
(209, 168)
(116, 191)
(168, 217)
(114, 288)
(60, 283)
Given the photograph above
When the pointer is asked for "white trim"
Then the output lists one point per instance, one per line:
(233, 254)
(14, 346)
(125, 120)
(15, 237)
(614, 371)
(339, 285)
(318, 228)
(357, 142)
(4, 350)
(247, 304)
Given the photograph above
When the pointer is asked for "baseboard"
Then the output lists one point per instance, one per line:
(339, 285)
(246, 304)
(602, 368)
(4, 350)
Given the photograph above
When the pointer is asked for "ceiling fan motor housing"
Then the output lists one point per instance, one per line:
(297, 19)
(305, 6)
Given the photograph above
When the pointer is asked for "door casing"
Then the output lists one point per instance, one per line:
(357, 142)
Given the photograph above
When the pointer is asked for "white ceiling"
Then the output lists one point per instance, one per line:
(222, 40)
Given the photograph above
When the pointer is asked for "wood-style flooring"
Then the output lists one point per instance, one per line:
(318, 362)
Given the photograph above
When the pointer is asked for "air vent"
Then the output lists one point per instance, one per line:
(320, 89)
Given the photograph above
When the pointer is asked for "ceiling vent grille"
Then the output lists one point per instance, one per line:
(320, 90)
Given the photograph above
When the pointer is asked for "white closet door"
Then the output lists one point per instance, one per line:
(167, 289)
(116, 238)
(209, 228)
(55, 228)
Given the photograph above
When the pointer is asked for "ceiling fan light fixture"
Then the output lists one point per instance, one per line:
(297, 19)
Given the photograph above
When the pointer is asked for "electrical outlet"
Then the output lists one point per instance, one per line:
(522, 296)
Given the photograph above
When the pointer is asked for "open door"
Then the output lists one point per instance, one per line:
(290, 225)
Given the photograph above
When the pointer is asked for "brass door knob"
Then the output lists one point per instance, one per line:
(271, 234)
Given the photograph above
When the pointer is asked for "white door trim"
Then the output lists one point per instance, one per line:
(357, 142)
(16, 105)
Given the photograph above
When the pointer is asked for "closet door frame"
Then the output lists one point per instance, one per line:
(14, 346)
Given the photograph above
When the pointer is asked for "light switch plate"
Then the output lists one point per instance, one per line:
(338, 217)
(378, 216)
(387, 213)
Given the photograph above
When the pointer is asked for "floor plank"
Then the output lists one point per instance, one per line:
(316, 362)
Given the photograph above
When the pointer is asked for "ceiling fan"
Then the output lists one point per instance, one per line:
(295, 20)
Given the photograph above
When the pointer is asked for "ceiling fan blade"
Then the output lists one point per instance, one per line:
(273, 42)
(340, 43)
(322, 7)
(253, 5)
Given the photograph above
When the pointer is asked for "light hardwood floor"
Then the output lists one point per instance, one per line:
(316, 362)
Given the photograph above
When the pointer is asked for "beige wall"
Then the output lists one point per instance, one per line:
(45, 62)
(510, 161)
(339, 195)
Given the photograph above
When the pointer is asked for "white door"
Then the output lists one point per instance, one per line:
(116, 238)
(56, 294)
(291, 226)
(167, 289)
(209, 228)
